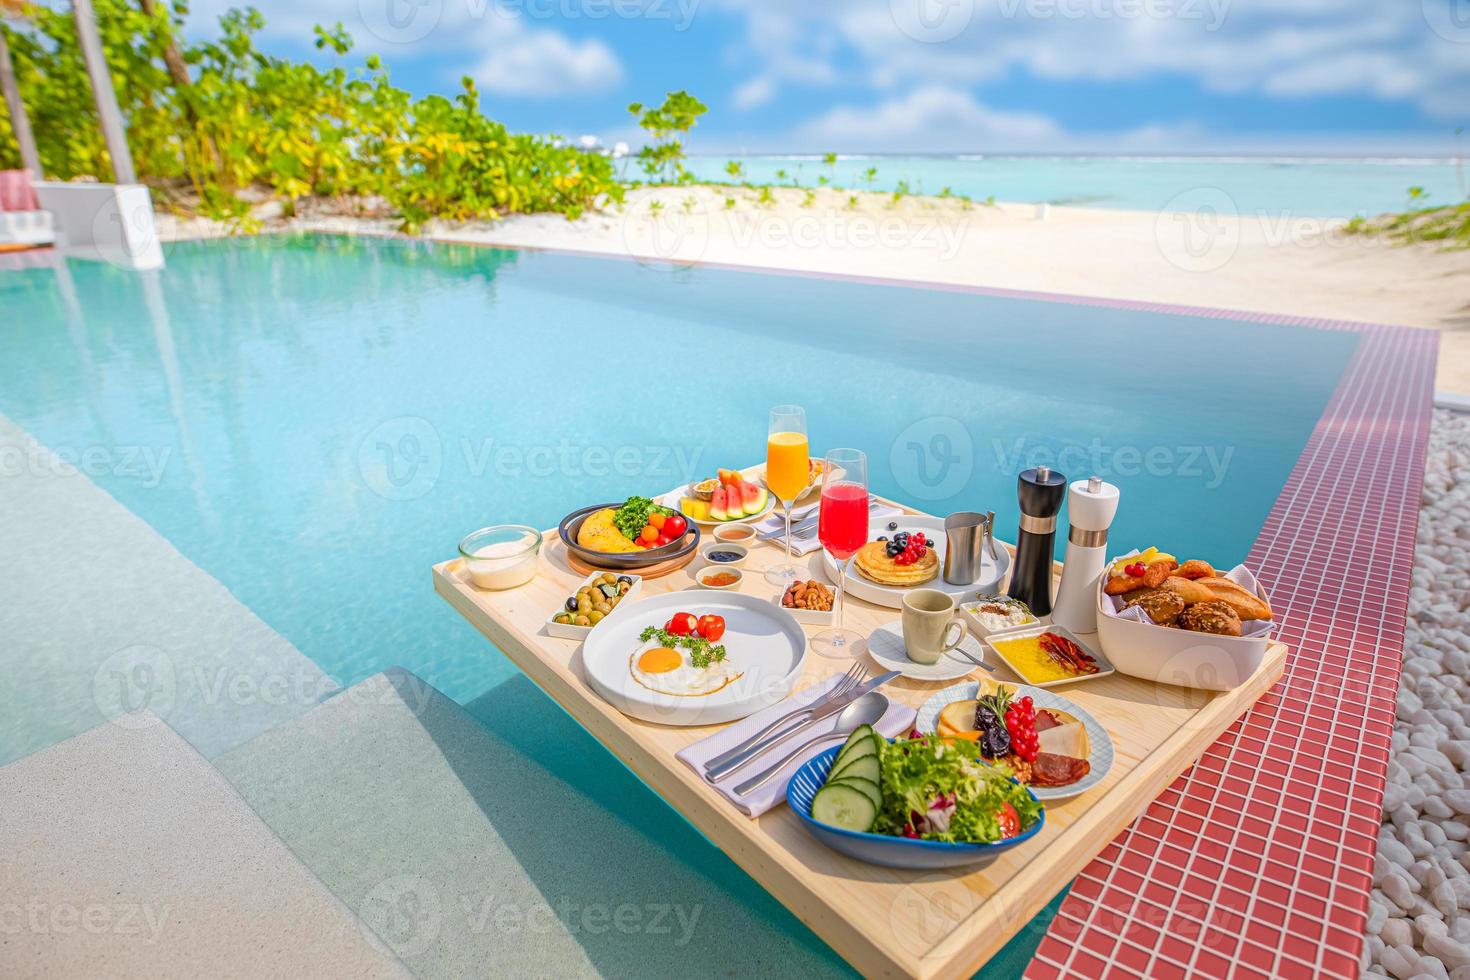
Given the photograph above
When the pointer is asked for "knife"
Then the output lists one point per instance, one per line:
(737, 761)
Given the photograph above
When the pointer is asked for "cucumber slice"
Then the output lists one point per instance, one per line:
(862, 741)
(869, 788)
(844, 807)
(863, 766)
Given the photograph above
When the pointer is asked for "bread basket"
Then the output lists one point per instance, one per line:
(1164, 655)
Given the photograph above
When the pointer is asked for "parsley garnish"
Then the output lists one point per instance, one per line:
(702, 652)
(632, 517)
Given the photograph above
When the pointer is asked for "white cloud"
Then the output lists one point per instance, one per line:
(932, 118)
(754, 93)
(545, 63)
(490, 40)
(1278, 48)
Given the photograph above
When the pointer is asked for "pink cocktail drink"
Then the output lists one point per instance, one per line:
(842, 522)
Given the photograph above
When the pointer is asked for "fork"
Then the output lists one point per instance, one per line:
(855, 675)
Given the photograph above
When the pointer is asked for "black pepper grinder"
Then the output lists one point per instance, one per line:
(1041, 493)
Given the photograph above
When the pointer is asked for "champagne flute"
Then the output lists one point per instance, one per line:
(842, 527)
(788, 473)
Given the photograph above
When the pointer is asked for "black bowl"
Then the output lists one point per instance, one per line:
(624, 560)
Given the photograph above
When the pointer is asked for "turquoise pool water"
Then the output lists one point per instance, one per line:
(314, 421)
(327, 416)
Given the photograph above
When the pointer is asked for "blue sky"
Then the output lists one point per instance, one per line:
(1145, 76)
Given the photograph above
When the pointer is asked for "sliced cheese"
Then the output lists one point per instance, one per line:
(1069, 740)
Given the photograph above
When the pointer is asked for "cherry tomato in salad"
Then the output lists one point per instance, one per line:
(711, 627)
(682, 624)
(648, 535)
(675, 526)
(661, 540)
(1010, 821)
(657, 520)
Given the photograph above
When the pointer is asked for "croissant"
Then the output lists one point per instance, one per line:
(1247, 605)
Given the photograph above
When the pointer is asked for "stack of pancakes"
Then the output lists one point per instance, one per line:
(873, 562)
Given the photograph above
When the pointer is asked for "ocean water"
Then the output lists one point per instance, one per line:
(1263, 187)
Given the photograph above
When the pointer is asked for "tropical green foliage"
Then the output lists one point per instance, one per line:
(245, 122)
(669, 125)
(1448, 226)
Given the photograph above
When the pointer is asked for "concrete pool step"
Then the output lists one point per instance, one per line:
(507, 842)
(124, 853)
(101, 615)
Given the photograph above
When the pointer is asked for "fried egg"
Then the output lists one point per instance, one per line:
(668, 670)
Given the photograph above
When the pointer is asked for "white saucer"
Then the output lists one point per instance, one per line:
(886, 647)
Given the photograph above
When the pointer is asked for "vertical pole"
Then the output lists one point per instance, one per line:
(108, 114)
(20, 124)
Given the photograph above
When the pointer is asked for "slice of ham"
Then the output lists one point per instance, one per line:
(1057, 770)
(1045, 719)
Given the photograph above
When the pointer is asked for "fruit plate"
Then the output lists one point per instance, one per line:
(813, 489)
(992, 572)
(1099, 745)
(762, 641)
(672, 499)
(891, 852)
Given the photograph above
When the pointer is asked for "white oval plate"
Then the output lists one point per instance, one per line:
(885, 646)
(672, 498)
(1100, 758)
(761, 640)
(992, 573)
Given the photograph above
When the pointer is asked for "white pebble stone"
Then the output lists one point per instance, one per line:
(1448, 951)
(1397, 932)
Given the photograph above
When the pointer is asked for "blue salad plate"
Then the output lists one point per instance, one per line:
(892, 852)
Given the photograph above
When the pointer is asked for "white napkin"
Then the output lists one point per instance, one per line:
(776, 521)
(1240, 575)
(897, 720)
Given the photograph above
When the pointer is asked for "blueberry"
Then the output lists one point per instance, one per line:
(893, 525)
(882, 537)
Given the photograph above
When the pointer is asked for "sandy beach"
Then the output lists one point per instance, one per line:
(1303, 266)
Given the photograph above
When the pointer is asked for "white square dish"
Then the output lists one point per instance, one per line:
(1104, 666)
(568, 631)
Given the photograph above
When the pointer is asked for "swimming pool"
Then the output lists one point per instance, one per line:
(316, 420)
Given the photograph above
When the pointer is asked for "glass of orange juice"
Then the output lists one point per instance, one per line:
(788, 472)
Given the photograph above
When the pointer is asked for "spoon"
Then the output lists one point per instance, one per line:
(866, 710)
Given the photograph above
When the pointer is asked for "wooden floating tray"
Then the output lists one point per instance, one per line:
(884, 921)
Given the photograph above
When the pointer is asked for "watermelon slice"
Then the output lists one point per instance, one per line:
(718, 505)
(753, 499)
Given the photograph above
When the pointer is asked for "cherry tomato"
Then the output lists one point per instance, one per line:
(711, 627)
(682, 624)
(661, 540)
(657, 520)
(675, 526)
(1010, 821)
(649, 534)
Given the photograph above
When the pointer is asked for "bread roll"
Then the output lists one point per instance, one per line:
(1189, 591)
(1247, 605)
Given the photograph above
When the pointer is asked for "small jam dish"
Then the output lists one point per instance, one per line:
(742, 534)
(725, 555)
(502, 556)
(719, 577)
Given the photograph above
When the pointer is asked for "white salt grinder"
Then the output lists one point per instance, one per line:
(1091, 506)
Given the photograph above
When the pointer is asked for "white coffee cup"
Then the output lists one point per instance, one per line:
(928, 620)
